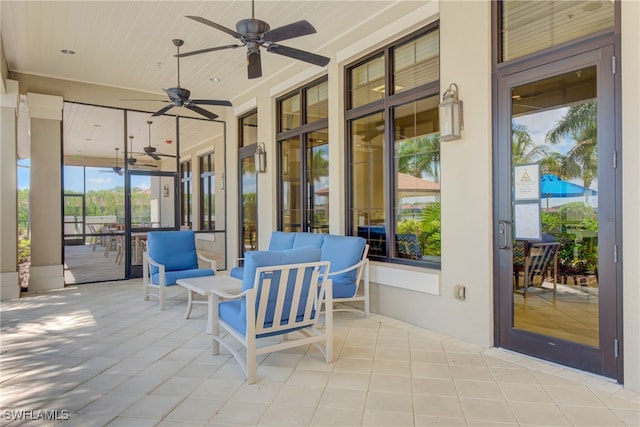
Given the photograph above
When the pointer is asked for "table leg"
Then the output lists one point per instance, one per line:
(189, 303)
(212, 324)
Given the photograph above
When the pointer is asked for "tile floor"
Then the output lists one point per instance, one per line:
(100, 356)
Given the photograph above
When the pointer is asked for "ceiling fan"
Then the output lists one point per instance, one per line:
(179, 96)
(117, 169)
(132, 161)
(151, 151)
(254, 33)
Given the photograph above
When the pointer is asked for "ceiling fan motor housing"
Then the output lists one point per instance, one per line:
(251, 29)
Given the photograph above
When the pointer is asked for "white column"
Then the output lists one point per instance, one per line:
(46, 270)
(9, 277)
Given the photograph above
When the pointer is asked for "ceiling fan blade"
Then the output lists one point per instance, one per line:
(211, 102)
(302, 55)
(153, 155)
(216, 26)
(290, 31)
(202, 111)
(211, 49)
(163, 110)
(154, 100)
(254, 65)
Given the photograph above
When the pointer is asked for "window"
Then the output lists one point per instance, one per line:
(186, 204)
(394, 151)
(248, 129)
(207, 192)
(303, 159)
(529, 26)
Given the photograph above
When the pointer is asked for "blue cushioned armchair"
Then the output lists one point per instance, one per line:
(170, 256)
(282, 292)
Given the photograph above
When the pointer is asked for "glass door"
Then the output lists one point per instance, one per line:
(248, 200)
(74, 219)
(151, 200)
(557, 218)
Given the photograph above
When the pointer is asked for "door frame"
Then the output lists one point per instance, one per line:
(135, 271)
(607, 360)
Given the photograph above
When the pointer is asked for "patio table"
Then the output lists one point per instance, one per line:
(204, 286)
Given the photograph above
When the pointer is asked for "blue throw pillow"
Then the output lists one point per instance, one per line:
(308, 239)
(281, 240)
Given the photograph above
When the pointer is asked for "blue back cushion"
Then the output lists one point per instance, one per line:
(281, 240)
(303, 240)
(234, 312)
(342, 252)
(175, 249)
(256, 259)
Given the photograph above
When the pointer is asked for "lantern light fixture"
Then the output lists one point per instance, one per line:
(260, 158)
(450, 112)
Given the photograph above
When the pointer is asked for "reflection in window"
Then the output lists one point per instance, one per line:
(248, 129)
(417, 189)
(318, 181)
(416, 62)
(207, 192)
(290, 113)
(249, 204)
(367, 82)
(187, 193)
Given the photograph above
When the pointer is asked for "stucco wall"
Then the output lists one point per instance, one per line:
(630, 69)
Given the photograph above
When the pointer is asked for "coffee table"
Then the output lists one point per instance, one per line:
(204, 286)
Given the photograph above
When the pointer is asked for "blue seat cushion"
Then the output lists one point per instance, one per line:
(237, 272)
(343, 252)
(232, 312)
(171, 277)
(281, 240)
(176, 250)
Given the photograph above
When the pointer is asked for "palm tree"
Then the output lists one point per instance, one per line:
(523, 148)
(580, 124)
(420, 156)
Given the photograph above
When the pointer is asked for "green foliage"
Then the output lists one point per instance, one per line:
(575, 225)
(427, 228)
(430, 228)
(24, 249)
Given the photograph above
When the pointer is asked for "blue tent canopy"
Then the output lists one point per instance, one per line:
(553, 186)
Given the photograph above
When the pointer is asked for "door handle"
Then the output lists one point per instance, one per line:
(503, 226)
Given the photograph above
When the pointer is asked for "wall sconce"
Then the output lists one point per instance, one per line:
(450, 111)
(260, 158)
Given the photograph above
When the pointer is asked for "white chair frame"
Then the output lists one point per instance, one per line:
(362, 275)
(161, 287)
(255, 320)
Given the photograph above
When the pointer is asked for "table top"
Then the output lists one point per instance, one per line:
(203, 285)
